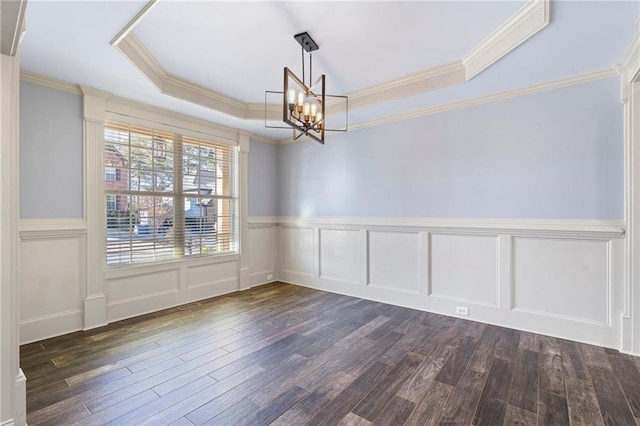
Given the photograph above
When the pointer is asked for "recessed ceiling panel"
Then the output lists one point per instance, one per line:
(239, 49)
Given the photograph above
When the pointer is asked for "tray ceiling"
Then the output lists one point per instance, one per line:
(234, 51)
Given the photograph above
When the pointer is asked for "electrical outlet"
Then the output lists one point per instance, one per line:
(269, 277)
(460, 310)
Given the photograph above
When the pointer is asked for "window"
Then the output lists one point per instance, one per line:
(111, 174)
(167, 195)
(112, 203)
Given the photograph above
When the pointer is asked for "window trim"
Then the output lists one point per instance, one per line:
(235, 189)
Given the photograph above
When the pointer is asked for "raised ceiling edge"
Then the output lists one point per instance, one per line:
(528, 90)
(531, 18)
(494, 97)
(631, 63)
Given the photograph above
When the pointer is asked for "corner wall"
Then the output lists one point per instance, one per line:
(512, 211)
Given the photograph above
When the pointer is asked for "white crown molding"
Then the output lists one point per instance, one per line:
(117, 105)
(522, 25)
(133, 22)
(529, 90)
(630, 66)
(118, 108)
(583, 228)
(13, 28)
(50, 82)
(431, 79)
(530, 19)
(139, 56)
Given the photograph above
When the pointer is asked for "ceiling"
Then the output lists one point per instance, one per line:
(391, 58)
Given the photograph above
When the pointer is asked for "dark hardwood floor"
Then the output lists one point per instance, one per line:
(288, 355)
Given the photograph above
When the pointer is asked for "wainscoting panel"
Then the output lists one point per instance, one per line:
(394, 261)
(146, 284)
(52, 277)
(340, 255)
(210, 274)
(297, 250)
(140, 289)
(262, 253)
(560, 278)
(465, 268)
(564, 278)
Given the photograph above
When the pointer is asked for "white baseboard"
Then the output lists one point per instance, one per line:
(35, 329)
(503, 271)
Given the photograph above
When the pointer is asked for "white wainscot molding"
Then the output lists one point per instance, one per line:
(340, 255)
(298, 257)
(52, 277)
(140, 289)
(465, 268)
(263, 250)
(562, 278)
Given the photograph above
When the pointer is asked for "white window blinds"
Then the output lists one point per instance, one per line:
(167, 195)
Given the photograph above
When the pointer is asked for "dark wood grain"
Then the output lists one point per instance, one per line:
(613, 405)
(518, 417)
(457, 362)
(552, 410)
(551, 374)
(493, 401)
(524, 388)
(396, 412)
(342, 404)
(286, 355)
(429, 410)
(461, 406)
(375, 401)
(572, 361)
(582, 402)
(629, 378)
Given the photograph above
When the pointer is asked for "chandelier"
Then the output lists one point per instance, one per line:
(304, 106)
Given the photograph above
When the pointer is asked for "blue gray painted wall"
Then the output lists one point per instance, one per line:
(263, 179)
(50, 153)
(556, 154)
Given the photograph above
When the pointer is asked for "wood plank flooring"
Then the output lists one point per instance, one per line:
(287, 355)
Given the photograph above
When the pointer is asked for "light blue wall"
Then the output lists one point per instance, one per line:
(50, 153)
(556, 154)
(263, 182)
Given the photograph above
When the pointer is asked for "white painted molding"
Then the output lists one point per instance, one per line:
(582, 228)
(133, 22)
(14, 12)
(521, 26)
(431, 79)
(46, 326)
(630, 66)
(262, 221)
(243, 163)
(14, 407)
(94, 102)
(37, 229)
(119, 109)
(141, 59)
(44, 225)
(50, 82)
(530, 19)
(529, 90)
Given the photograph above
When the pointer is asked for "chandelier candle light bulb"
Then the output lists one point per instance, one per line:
(291, 98)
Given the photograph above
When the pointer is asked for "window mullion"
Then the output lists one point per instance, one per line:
(178, 200)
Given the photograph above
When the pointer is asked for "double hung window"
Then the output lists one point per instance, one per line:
(167, 195)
